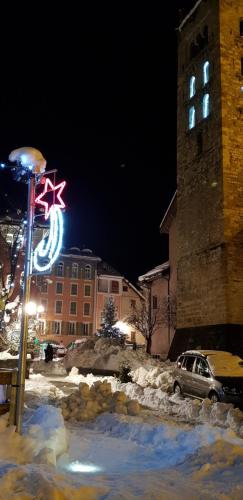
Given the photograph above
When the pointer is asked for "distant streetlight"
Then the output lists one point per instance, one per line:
(31, 308)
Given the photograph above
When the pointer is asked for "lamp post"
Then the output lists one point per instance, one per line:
(26, 298)
(29, 166)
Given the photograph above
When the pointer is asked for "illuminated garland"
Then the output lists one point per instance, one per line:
(49, 247)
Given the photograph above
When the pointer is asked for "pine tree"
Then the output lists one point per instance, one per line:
(108, 321)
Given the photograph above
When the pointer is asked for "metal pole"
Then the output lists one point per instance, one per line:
(26, 297)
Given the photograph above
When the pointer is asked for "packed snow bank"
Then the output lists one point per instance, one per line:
(186, 410)
(106, 354)
(30, 482)
(54, 367)
(85, 403)
(160, 376)
(6, 355)
(155, 459)
(43, 439)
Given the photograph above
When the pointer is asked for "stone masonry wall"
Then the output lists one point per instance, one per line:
(201, 253)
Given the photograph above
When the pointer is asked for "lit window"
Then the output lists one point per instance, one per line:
(73, 308)
(102, 285)
(87, 272)
(86, 309)
(192, 117)
(75, 270)
(205, 73)
(192, 86)
(206, 105)
(74, 289)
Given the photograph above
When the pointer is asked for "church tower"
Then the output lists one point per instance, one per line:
(210, 177)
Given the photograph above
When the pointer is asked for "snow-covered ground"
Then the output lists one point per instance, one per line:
(174, 449)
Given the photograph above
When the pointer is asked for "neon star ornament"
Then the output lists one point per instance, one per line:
(48, 188)
(49, 247)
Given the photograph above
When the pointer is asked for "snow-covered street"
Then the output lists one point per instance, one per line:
(176, 449)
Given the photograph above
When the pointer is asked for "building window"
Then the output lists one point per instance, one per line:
(206, 102)
(73, 307)
(87, 272)
(86, 309)
(72, 328)
(87, 290)
(57, 327)
(114, 287)
(44, 287)
(59, 288)
(133, 304)
(58, 307)
(103, 285)
(125, 288)
(85, 328)
(206, 73)
(75, 270)
(74, 289)
(192, 117)
(192, 86)
(60, 269)
(241, 27)
(155, 302)
(42, 327)
(44, 303)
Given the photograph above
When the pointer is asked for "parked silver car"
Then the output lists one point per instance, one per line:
(217, 375)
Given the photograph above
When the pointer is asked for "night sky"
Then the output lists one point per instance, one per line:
(96, 93)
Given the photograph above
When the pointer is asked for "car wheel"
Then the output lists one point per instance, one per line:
(177, 389)
(213, 396)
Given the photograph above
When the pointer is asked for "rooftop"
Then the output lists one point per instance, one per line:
(156, 272)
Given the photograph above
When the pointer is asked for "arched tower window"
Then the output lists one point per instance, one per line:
(206, 105)
(192, 117)
(206, 67)
(192, 86)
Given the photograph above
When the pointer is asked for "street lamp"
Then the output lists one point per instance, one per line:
(31, 308)
(30, 166)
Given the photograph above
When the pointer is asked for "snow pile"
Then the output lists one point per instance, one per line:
(55, 367)
(183, 409)
(86, 404)
(106, 354)
(37, 386)
(160, 376)
(43, 440)
(6, 355)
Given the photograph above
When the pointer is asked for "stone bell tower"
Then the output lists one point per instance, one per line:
(210, 178)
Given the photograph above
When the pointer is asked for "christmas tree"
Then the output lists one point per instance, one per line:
(108, 328)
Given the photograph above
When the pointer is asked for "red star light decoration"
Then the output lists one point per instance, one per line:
(48, 188)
